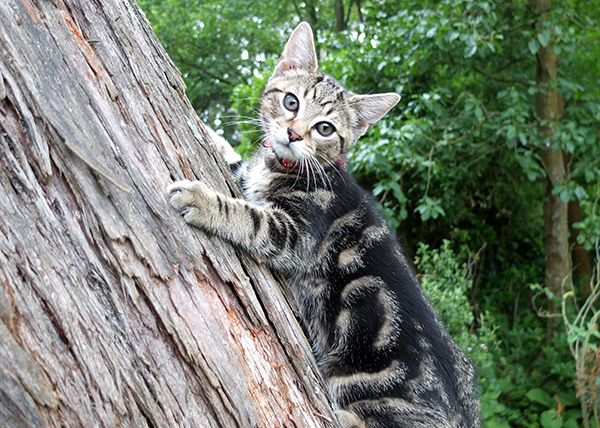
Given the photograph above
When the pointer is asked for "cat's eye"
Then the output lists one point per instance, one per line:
(325, 128)
(290, 102)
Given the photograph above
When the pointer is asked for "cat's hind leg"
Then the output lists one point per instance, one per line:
(349, 419)
(397, 413)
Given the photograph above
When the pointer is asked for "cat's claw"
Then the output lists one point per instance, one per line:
(179, 186)
(184, 195)
(192, 200)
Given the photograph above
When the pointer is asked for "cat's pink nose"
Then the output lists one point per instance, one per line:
(293, 135)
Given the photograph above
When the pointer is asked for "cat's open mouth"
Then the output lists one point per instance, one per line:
(295, 165)
(285, 162)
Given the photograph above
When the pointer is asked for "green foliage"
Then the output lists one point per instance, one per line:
(468, 127)
(218, 45)
(512, 394)
(446, 281)
(581, 322)
(590, 226)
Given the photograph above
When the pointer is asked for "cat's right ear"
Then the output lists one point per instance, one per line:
(299, 52)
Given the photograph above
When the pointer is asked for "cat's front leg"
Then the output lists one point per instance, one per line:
(223, 146)
(232, 157)
(268, 233)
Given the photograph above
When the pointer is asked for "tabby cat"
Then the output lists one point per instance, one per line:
(387, 359)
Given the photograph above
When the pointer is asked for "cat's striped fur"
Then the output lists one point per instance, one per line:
(383, 351)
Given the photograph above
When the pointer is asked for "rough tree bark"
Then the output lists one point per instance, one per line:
(113, 312)
(549, 109)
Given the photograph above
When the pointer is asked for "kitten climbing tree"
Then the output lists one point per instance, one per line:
(112, 310)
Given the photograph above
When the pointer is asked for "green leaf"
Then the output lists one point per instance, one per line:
(580, 193)
(511, 134)
(540, 396)
(496, 422)
(452, 35)
(403, 213)
(397, 191)
(523, 138)
(478, 113)
(551, 419)
(471, 47)
(534, 46)
(470, 50)
(544, 37)
(571, 423)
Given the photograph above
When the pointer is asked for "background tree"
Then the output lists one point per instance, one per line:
(549, 109)
(113, 311)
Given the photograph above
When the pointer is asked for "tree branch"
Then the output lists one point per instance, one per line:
(203, 70)
(503, 79)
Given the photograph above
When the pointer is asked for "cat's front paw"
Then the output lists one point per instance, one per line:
(190, 199)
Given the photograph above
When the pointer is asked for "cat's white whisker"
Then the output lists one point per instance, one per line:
(314, 173)
(317, 170)
(334, 167)
(305, 166)
(298, 173)
(323, 175)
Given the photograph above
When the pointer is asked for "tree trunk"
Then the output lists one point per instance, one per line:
(582, 265)
(549, 110)
(340, 18)
(311, 13)
(114, 312)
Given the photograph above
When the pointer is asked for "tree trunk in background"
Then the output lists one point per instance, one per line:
(340, 18)
(113, 312)
(311, 13)
(549, 110)
(582, 265)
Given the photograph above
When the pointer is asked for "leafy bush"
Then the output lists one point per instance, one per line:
(526, 379)
(583, 336)
(446, 278)
(447, 282)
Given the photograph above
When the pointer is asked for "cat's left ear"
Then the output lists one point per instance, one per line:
(299, 52)
(371, 108)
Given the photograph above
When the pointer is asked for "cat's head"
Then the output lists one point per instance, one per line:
(307, 114)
